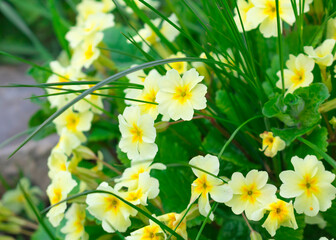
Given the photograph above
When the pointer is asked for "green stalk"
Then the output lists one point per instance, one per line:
(213, 208)
(280, 46)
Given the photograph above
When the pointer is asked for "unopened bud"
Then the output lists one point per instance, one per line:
(161, 126)
(255, 236)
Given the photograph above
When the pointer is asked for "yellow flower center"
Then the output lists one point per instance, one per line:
(268, 141)
(202, 185)
(137, 133)
(57, 196)
(135, 176)
(89, 52)
(182, 94)
(178, 66)
(133, 196)
(62, 167)
(309, 185)
(152, 38)
(250, 193)
(78, 225)
(72, 121)
(151, 233)
(298, 77)
(270, 9)
(279, 211)
(112, 204)
(150, 96)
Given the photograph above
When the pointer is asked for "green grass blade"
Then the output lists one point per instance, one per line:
(16, 19)
(329, 159)
(235, 133)
(163, 226)
(280, 45)
(36, 212)
(13, 138)
(59, 28)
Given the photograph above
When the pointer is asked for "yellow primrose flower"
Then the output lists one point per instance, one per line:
(180, 67)
(113, 212)
(206, 184)
(324, 238)
(153, 3)
(172, 220)
(280, 214)
(74, 121)
(322, 55)
(93, 24)
(331, 29)
(86, 8)
(251, 194)
(137, 77)
(64, 74)
(201, 67)
(178, 97)
(150, 36)
(310, 185)
(148, 188)
(271, 145)
(244, 7)
(264, 13)
(148, 94)
(316, 220)
(299, 73)
(130, 177)
(90, 102)
(138, 134)
(74, 227)
(150, 232)
(68, 141)
(57, 162)
(61, 185)
(87, 52)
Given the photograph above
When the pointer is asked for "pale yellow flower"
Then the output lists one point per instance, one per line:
(69, 141)
(206, 184)
(57, 162)
(74, 227)
(280, 214)
(130, 177)
(61, 185)
(148, 94)
(178, 97)
(201, 67)
(153, 3)
(331, 29)
(172, 221)
(299, 73)
(86, 8)
(114, 213)
(74, 121)
(264, 13)
(180, 67)
(271, 145)
(244, 7)
(93, 24)
(137, 134)
(322, 55)
(87, 52)
(148, 188)
(63, 74)
(310, 185)
(150, 36)
(251, 194)
(15, 201)
(92, 102)
(150, 232)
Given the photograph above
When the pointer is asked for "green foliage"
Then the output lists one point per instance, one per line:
(298, 111)
(285, 233)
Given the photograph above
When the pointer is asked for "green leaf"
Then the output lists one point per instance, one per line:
(103, 131)
(175, 184)
(299, 111)
(285, 233)
(330, 217)
(223, 103)
(319, 137)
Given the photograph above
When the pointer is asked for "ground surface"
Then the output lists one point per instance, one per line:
(15, 111)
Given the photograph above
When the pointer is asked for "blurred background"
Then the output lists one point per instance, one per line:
(26, 31)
